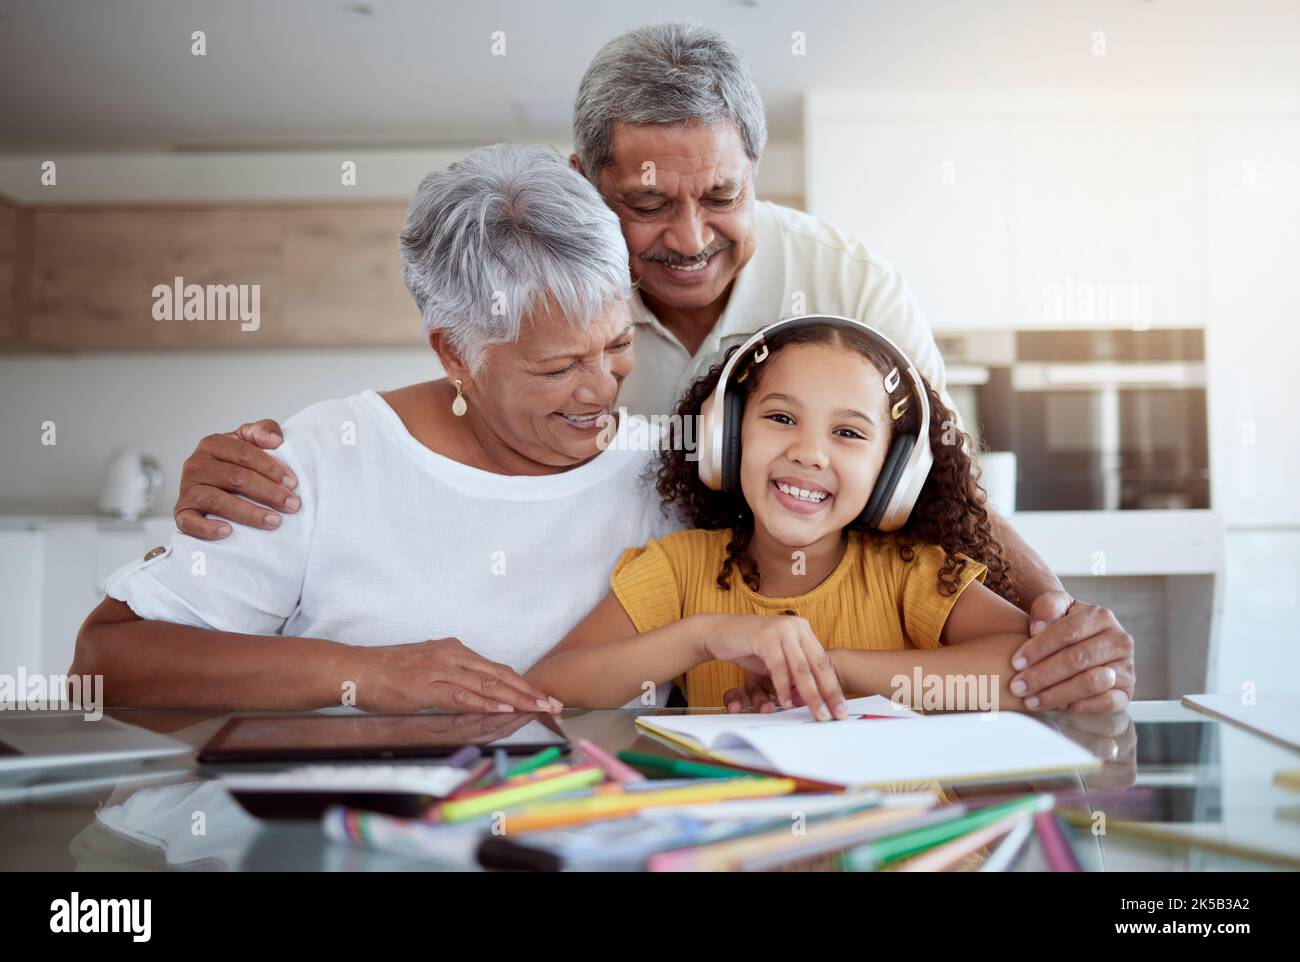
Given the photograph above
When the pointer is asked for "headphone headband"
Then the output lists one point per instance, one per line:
(906, 466)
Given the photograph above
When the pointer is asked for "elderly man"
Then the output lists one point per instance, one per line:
(669, 126)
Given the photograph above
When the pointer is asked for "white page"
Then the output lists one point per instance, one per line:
(707, 729)
(947, 747)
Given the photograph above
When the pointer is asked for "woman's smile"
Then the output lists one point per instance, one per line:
(588, 423)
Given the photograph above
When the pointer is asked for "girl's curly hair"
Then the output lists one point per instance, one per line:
(950, 511)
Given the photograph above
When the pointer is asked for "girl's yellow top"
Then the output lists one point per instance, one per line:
(873, 600)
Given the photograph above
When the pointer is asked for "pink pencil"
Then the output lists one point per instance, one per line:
(1056, 848)
(611, 766)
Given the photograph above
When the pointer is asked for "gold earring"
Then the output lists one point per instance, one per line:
(458, 406)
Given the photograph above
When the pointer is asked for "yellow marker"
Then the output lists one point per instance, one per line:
(618, 804)
(467, 808)
(546, 771)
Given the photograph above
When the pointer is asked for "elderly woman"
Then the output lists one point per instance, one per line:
(520, 273)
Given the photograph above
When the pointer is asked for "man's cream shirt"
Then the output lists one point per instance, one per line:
(801, 265)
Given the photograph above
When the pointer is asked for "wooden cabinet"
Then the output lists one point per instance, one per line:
(270, 276)
(94, 272)
(342, 278)
(8, 273)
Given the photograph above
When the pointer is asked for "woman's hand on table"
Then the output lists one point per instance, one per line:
(225, 466)
(444, 674)
(783, 649)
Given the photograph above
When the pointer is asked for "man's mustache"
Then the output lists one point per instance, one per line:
(679, 260)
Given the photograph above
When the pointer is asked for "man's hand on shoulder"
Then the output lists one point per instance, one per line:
(225, 466)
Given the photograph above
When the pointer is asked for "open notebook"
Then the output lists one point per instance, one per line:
(875, 751)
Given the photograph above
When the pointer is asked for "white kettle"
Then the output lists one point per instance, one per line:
(131, 485)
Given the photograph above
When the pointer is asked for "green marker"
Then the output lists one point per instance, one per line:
(679, 767)
(544, 757)
(881, 853)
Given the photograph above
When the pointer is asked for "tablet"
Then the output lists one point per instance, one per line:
(316, 738)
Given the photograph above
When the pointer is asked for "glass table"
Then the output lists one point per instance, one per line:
(1176, 791)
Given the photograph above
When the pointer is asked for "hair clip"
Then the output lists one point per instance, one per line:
(897, 410)
(891, 383)
(760, 355)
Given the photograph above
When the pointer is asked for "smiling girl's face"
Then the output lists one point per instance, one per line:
(815, 434)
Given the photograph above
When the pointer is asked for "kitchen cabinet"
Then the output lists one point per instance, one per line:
(325, 275)
(94, 271)
(50, 573)
(1027, 213)
(1252, 208)
(931, 197)
(1107, 225)
(21, 575)
(343, 277)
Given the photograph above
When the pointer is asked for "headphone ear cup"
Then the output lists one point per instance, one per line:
(733, 404)
(888, 480)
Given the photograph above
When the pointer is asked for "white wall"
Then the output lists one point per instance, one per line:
(285, 175)
(162, 404)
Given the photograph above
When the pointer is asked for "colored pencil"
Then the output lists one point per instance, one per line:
(1056, 848)
(563, 814)
(514, 795)
(616, 770)
(544, 757)
(945, 856)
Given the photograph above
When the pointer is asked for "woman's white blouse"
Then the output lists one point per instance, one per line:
(397, 544)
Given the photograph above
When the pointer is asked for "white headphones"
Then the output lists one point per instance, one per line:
(906, 466)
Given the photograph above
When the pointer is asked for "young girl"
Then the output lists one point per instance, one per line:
(704, 606)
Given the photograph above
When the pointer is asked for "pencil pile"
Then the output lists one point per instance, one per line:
(659, 813)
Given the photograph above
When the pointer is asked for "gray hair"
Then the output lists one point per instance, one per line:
(498, 234)
(667, 73)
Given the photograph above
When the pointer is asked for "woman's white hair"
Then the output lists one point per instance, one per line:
(500, 233)
(668, 73)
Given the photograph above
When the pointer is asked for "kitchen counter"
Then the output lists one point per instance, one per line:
(26, 515)
(1118, 543)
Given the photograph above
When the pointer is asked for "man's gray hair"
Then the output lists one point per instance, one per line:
(500, 233)
(667, 73)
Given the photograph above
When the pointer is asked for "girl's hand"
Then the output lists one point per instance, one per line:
(757, 694)
(784, 650)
